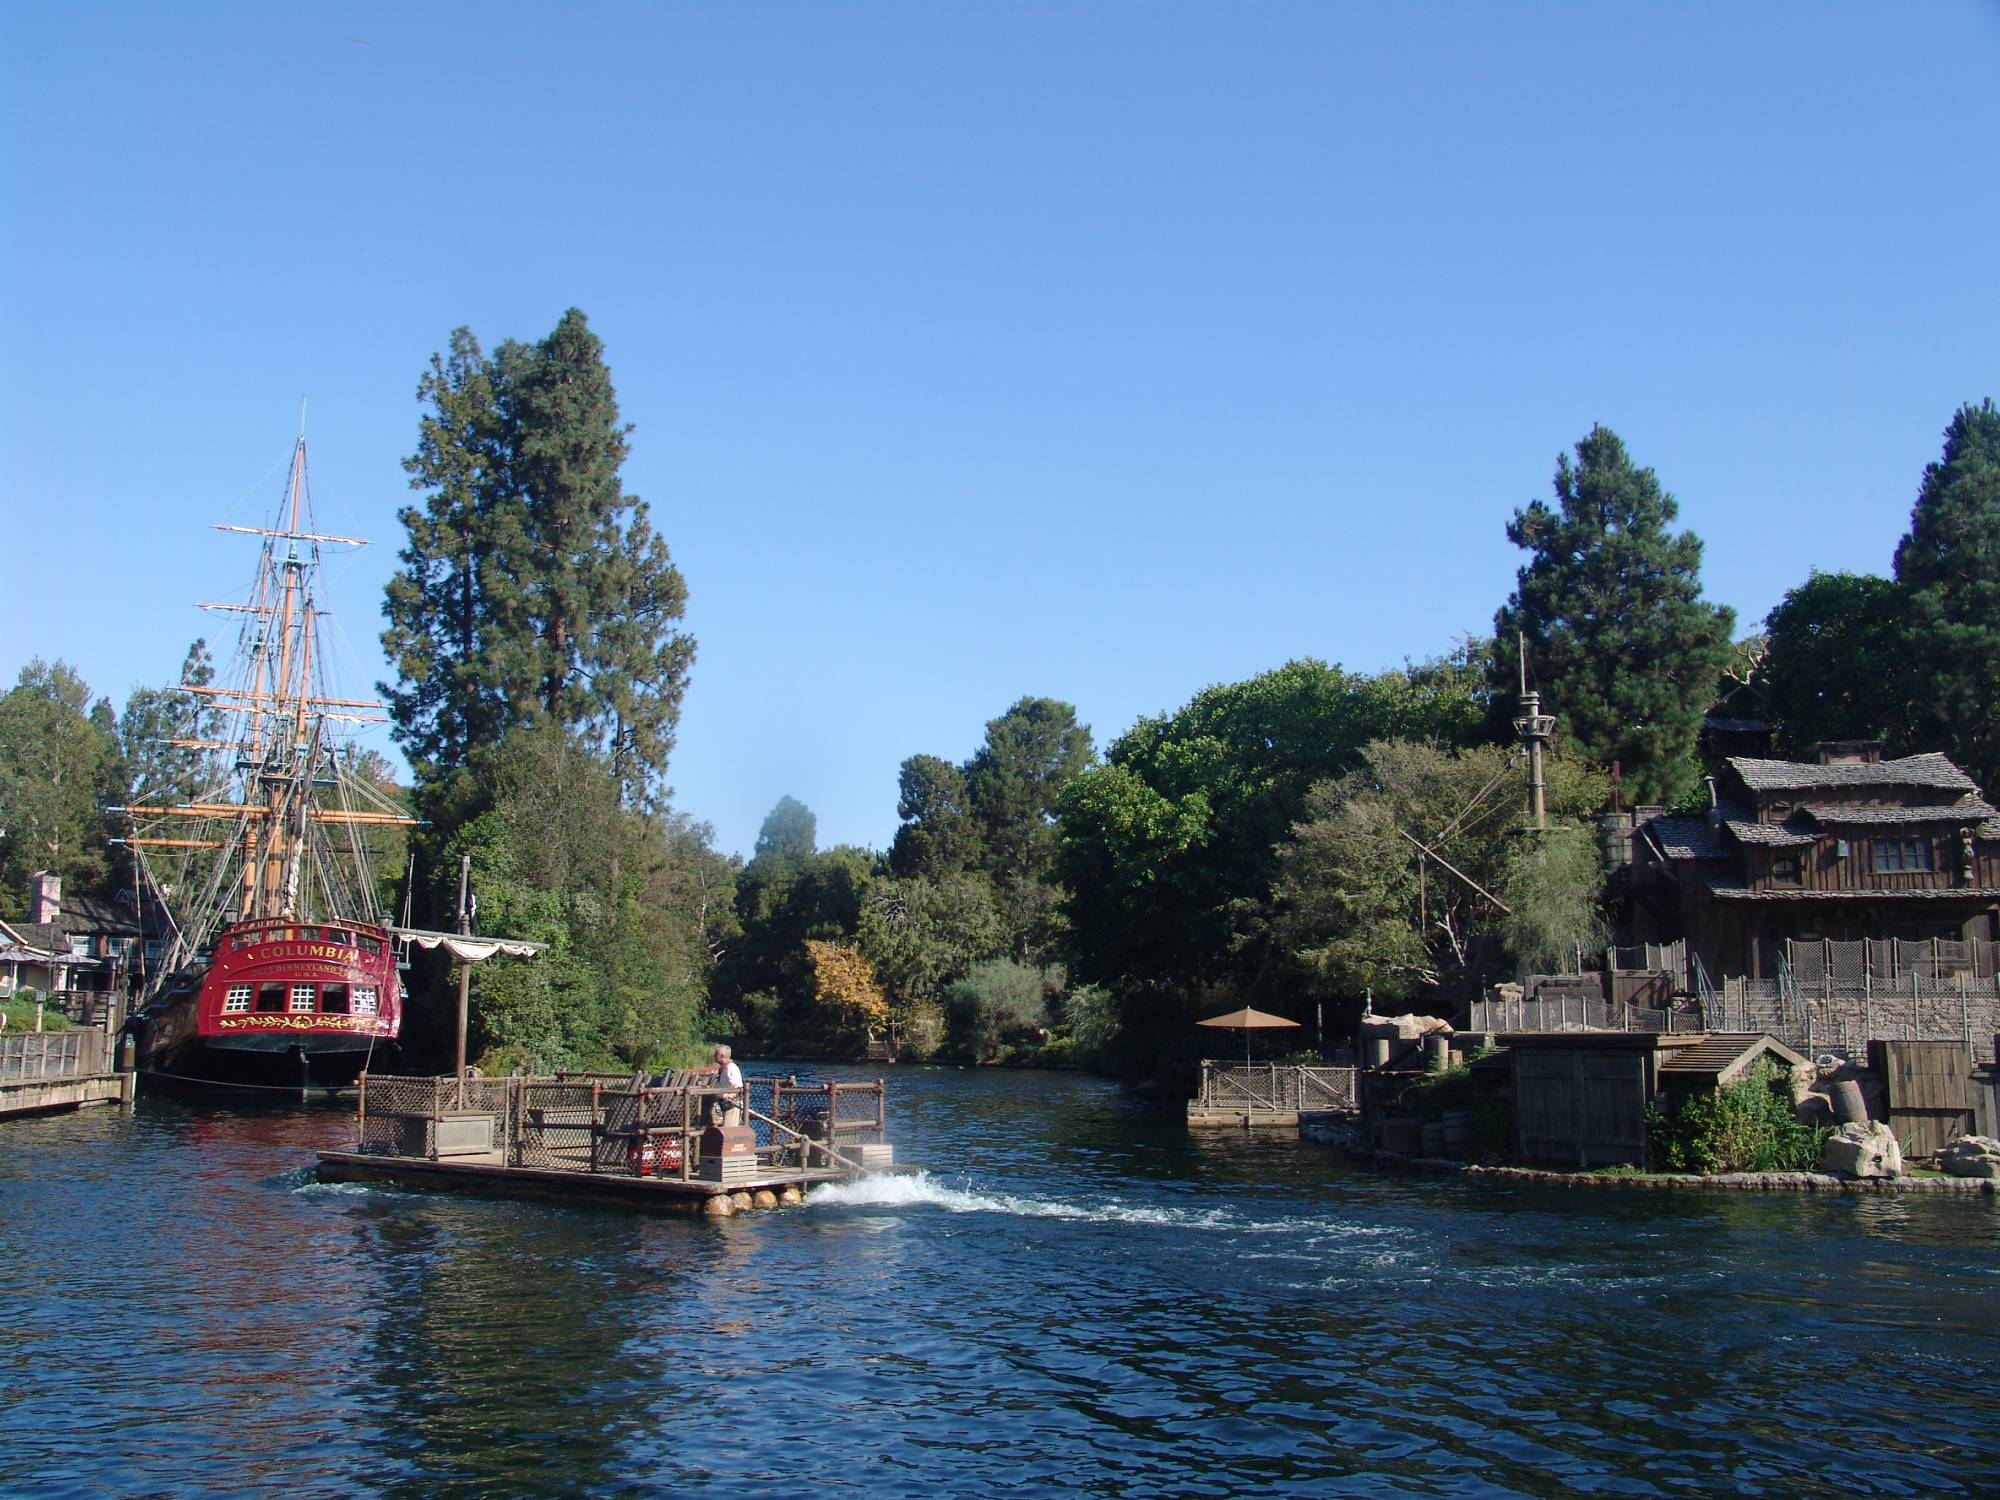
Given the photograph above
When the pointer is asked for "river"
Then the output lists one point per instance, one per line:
(1077, 1295)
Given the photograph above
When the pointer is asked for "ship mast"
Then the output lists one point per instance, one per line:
(282, 750)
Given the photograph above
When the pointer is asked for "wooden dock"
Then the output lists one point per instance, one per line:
(1267, 1094)
(46, 1071)
(581, 1138)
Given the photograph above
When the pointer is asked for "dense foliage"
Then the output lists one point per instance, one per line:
(1618, 636)
(1398, 876)
(1746, 1127)
(1949, 568)
(532, 589)
(1913, 660)
(59, 769)
(534, 628)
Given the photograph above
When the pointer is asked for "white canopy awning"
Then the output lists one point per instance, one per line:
(470, 949)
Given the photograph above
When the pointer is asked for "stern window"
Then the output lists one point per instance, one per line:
(302, 997)
(364, 999)
(271, 997)
(333, 999)
(237, 1001)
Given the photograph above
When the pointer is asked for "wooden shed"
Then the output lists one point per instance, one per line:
(1580, 1097)
(1929, 1091)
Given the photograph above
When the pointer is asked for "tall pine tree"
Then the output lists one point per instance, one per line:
(1949, 565)
(533, 589)
(1617, 631)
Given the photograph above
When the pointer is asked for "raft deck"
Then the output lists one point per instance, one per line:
(604, 1139)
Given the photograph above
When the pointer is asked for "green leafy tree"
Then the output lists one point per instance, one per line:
(1014, 782)
(533, 588)
(152, 732)
(996, 1000)
(939, 836)
(789, 833)
(1393, 879)
(1618, 634)
(1836, 667)
(1949, 567)
(1168, 851)
(57, 763)
(922, 934)
(1553, 884)
(458, 630)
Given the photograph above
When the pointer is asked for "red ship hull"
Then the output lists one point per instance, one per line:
(281, 1002)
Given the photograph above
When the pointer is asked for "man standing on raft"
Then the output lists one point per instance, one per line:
(726, 1105)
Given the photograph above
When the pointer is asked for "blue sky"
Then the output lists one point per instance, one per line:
(978, 350)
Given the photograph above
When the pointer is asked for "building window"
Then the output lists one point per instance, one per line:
(302, 997)
(1893, 856)
(79, 947)
(237, 1001)
(1785, 869)
(364, 999)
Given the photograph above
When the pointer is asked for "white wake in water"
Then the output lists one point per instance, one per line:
(921, 1189)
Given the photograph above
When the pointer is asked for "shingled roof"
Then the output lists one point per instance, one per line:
(1772, 835)
(1965, 810)
(1930, 770)
(1686, 838)
(1724, 889)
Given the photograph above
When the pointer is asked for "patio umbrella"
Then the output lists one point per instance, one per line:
(1247, 1021)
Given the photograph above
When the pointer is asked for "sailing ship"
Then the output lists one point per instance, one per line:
(281, 967)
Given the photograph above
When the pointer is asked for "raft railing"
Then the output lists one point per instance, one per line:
(610, 1123)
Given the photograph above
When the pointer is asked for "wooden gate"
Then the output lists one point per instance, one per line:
(1929, 1089)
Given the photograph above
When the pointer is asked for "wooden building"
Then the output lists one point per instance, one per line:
(1580, 1097)
(1844, 847)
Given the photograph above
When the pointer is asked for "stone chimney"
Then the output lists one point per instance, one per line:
(44, 896)
(1848, 752)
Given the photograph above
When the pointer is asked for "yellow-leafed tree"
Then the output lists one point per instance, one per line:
(850, 999)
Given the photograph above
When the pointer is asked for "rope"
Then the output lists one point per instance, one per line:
(265, 1088)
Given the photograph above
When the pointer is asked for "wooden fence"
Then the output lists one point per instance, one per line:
(1577, 1013)
(32, 1056)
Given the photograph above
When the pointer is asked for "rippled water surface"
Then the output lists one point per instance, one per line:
(1078, 1295)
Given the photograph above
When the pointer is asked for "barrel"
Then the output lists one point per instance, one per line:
(1403, 1136)
(1849, 1107)
(1458, 1133)
(1433, 1138)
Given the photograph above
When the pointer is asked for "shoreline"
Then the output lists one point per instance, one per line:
(1796, 1182)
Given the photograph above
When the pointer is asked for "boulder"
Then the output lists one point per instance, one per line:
(1406, 1028)
(1864, 1151)
(1971, 1156)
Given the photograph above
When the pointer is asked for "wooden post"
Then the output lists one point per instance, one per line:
(464, 966)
